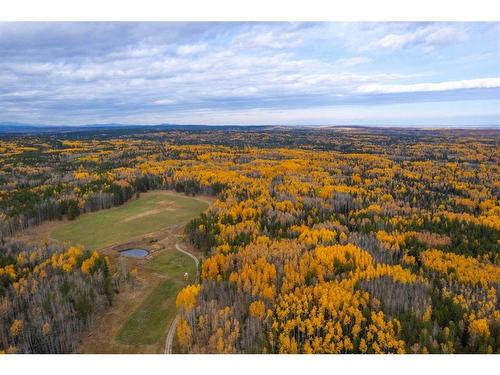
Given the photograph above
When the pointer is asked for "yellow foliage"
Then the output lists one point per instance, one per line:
(479, 327)
(186, 299)
(257, 309)
(184, 333)
(16, 327)
(462, 268)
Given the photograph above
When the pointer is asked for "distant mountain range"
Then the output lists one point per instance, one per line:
(16, 128)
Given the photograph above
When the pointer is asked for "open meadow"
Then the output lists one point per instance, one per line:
(151, 212)
(138, 320)
(146, 325)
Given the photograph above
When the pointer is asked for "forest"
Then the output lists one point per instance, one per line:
(332, 240)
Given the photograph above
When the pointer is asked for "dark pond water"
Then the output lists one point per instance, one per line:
(135, 253)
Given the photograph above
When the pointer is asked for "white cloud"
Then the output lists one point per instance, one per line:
(260, 66)
(137, 52)
(189, 49)
(428, 37)
(480, 83)
(352, 61)
(276, 39)
(427, 113)
(25, 94)
(164, 102)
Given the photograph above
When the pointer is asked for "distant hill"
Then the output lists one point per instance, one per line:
(16, 128)
(21, 128)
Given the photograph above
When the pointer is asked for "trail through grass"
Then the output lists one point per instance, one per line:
(148, 323)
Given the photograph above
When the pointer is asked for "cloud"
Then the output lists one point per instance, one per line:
(164, 101)
(275, 36)
(87, 72)
(426, 36)
(352, 61)
(189, 49)
(430, 114)
(480, 83)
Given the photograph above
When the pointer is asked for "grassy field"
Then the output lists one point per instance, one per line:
(173, 264)
(149, 213)
(148, 323)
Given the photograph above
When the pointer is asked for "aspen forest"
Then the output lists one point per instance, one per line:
(326, 240)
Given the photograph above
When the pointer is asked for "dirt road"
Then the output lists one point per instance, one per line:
(173, 325)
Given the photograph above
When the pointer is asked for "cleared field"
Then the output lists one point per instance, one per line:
(151, 212)
(148, 323)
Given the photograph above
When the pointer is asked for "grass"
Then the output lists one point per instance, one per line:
(173, 264)
(149, 322)
(151, 212)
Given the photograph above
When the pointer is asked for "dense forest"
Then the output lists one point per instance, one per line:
(342, 240)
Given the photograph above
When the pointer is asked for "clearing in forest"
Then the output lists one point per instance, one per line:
(141, 313)
(151, 212)
(148, 322)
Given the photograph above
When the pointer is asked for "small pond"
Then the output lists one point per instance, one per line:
(135, 253)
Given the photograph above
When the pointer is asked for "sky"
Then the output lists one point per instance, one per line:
(426, 74)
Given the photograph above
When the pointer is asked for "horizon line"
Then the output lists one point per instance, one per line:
(113, 124)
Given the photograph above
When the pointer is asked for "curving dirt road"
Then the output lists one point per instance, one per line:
(179, 248)
(173, 325)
